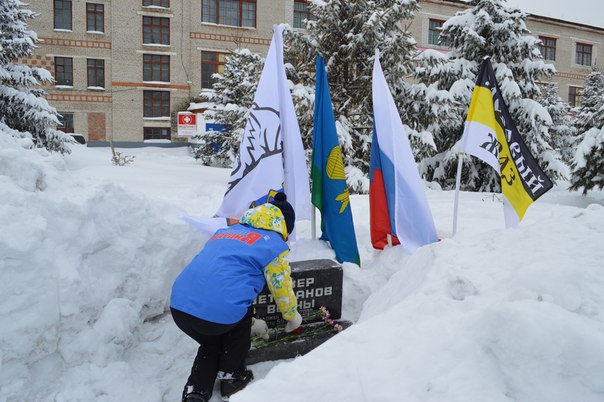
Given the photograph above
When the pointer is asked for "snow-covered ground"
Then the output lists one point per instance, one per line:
(88, 252)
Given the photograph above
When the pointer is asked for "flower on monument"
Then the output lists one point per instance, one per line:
(327, 319)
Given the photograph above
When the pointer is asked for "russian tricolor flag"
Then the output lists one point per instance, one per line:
(397, 201)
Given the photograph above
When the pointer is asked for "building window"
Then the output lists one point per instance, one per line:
(95, 17)
(156, 31)
(156, 68)
(434, 28)
(62, 14)
(248, 14)
(156, 3)
(301, 13)
(211, 63)
(156, 104)
(239, 13)
(65, 122)
(156, 133)
(583, 54)
(64, 71)
(574, 96)
(96, 73)
(548, 48)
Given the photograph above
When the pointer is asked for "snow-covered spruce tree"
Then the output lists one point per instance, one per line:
(588, 163)
(490, 28)
(428, 111)
(346, 33)
(22, 104)
(591, 100)
(228, 102)
(304, 103)
(562, 131)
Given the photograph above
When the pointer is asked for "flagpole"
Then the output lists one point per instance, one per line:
(457, 185)
(313, 220)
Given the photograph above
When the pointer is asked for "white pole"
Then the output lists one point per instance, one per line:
(457, 184)
(389, 237)
(313, 221)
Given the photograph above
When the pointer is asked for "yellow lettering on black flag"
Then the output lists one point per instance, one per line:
(491, 135)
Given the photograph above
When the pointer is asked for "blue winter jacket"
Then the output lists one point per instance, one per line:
(224, 279)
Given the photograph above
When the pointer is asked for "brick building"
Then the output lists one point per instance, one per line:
(124, 67)
(572, 48)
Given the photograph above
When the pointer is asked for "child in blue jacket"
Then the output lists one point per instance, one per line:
(212, 297)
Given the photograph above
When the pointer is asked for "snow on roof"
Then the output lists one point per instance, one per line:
(199, 105)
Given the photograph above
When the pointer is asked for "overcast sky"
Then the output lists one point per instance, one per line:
(590, 12)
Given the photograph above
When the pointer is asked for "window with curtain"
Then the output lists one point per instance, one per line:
(156, 31)
(62, 14)
(574, 96)
(301, 13)
(66, 122)
(64, 71)
(156, 3)
(156, 104)
(239, 13)
(211, 62)
(156, 133)
(96, 73)
(583, 54)
(156, 67)
(434, 28)
(548, 48)
(95, 17)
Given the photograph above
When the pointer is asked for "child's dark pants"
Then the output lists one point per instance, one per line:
(222, 347)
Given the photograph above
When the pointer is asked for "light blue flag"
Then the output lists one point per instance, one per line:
(329, 189)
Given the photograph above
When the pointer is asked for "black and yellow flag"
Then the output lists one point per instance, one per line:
(491, 135)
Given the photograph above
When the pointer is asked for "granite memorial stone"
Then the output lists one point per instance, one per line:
(317, 283)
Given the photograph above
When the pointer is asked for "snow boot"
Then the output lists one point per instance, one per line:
(234, 382)
(196, 397)
(190, 394)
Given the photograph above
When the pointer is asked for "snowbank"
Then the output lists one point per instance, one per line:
(83, 266)
(494, 316)
(88, 252)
